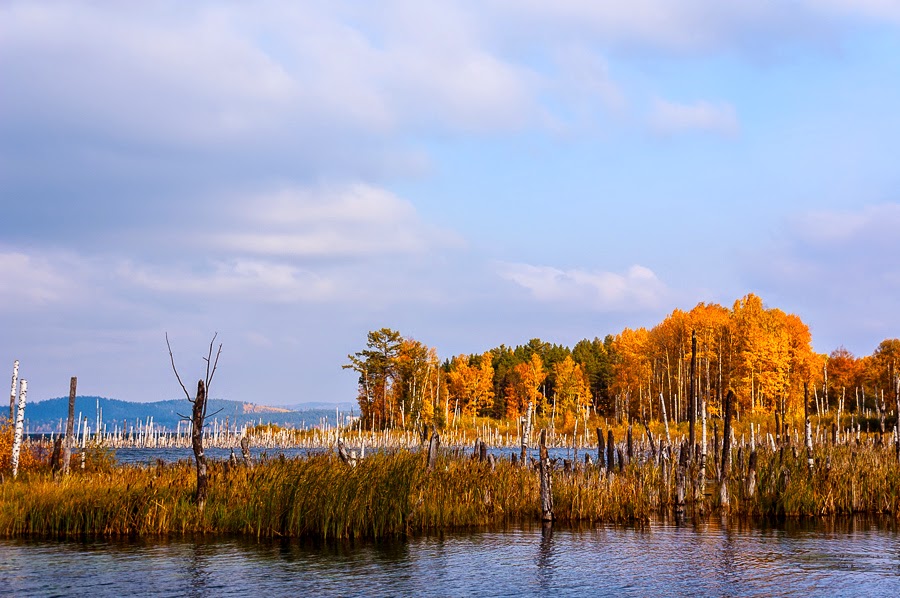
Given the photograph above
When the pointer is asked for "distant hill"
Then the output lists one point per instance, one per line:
(50, 415)
(345, 406)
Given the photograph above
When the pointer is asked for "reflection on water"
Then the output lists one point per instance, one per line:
(836, 557)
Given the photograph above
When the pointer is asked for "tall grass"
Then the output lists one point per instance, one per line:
(394, 493)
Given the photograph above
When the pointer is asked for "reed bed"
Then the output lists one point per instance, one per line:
(394, 493)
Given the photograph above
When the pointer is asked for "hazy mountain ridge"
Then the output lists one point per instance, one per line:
(50, 414)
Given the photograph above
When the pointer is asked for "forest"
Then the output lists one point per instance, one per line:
(763, 354)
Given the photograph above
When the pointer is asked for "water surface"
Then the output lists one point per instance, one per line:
(840, 558)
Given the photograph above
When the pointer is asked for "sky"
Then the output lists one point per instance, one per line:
(292, 175)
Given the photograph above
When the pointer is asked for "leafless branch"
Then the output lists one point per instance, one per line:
(172, 359)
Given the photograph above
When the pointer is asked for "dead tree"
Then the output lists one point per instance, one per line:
(198, 415)
(546, 481)
(726, 449)
(433, 446)
(70, 427)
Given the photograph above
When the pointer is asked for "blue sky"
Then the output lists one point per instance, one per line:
(293, 175)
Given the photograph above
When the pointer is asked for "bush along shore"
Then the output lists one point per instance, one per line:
(626, 477)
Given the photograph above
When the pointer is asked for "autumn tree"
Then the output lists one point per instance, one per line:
(632, 370)
(572, 392)
(377, 368)
(524, 387)
(471, 381)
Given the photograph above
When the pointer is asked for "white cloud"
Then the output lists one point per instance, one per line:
(356, 220)
(239, 279)
(669, 118)
(35, 281)
(638, 288)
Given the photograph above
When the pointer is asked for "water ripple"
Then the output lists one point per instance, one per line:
(704, 559)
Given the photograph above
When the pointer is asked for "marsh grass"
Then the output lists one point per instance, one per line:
(393, 493)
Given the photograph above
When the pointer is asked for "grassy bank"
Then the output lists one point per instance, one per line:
(391, 494)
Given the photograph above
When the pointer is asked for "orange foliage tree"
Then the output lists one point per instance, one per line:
(573, 393)
(471, 381)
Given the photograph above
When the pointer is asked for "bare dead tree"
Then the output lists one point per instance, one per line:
(198, 414)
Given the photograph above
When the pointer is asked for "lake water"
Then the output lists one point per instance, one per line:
(149, 456)
(842, 558)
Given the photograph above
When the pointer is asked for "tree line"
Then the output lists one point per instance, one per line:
(763, 354)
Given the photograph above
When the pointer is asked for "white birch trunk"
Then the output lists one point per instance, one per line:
(12, 391)
(20, 422)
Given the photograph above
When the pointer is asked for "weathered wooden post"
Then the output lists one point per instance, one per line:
(20, 423)
(12, 392)
(70, 427)
(726, 448)
(546, 484)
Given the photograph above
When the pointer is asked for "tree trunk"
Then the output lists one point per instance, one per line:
(601, 460)
(433, 446)
(692, 401)
(807, 429)
(12, 392)
(245, 452)
(526, 433)
(197, 417)
(680, 474)
(546, 485)
(70, 427)
(20, 423)
(610, 451)
(726, 448)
